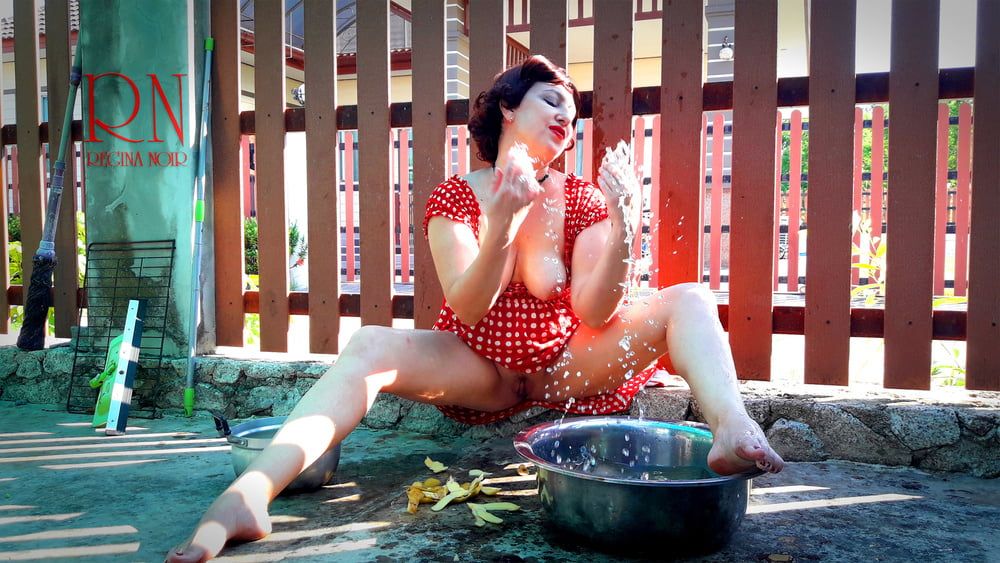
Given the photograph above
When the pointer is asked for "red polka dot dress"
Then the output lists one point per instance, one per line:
(522, 332)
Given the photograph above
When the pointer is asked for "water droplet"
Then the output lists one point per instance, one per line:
(625, 452)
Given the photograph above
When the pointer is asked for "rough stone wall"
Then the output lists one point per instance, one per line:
(883, 429)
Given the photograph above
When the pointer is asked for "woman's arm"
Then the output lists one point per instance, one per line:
(472, 275)
(600, 269)
(602, 252)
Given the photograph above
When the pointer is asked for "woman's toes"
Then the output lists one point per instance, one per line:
(751, 450)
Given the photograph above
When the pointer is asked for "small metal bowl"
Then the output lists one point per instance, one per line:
(631, 484)
(249, 438)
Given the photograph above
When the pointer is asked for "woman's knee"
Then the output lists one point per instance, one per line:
(687, 299)
(368, 342)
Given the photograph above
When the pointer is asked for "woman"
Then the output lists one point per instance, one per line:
(533, 264)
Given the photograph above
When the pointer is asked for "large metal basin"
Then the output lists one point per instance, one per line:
(249, 438)
(625, 483)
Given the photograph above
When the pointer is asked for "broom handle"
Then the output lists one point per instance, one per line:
(47, 246)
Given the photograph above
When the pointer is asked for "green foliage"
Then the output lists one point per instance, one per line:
(297, 245)
(870, 257)
(15, 253)
(13, 228)
(250, 244)
(950, 373)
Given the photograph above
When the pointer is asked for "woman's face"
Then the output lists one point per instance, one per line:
(543, 121)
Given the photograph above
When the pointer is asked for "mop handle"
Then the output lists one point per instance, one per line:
(46, 246)
(199, 218)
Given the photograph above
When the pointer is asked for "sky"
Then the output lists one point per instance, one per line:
(957, 39)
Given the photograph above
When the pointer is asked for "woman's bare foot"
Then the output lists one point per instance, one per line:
(739, 445)
(231, 517)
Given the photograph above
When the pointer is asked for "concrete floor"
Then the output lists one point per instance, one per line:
(68, 493)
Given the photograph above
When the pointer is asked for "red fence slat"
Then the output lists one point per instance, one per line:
(794, 199)
(877, 195)
(681, 176)
(655, 215)
(831, 168)
(429, 150)
(856, 179)
(550, 19)
(486, 53)
(58, 61)
(755, 94)
(321, 177)
(962, 199)
(272, 227)
(404, 205)
(913, 96)
(374, 164)
(230, 175)
(715, 234)
(349, 222)
(940, 197)
(983, 362)
(776, 231)
(29, 145)
(4, 258)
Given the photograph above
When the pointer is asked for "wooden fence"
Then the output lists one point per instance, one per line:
(677, 113)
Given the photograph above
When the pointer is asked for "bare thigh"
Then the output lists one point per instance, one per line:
(433, 367)
(599, 360)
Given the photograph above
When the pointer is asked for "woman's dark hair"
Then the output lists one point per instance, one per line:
(508, 90)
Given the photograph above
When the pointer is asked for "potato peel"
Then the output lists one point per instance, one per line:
(434, 466)
(483, 514)
(441, 495)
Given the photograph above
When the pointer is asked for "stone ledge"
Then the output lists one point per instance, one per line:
(950, 431)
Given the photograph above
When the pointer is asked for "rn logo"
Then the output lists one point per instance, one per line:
(136, 157)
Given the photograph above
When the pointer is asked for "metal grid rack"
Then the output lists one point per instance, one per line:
(116, 273)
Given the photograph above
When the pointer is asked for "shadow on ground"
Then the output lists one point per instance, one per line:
(69, 493)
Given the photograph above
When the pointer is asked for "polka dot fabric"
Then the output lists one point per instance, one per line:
(521, 332)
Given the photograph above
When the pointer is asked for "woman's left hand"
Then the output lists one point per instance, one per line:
(622, 189)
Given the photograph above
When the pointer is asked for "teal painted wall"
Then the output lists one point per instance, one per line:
(141, 184)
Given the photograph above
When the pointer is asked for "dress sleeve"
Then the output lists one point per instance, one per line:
(455, 200)
(590, 208)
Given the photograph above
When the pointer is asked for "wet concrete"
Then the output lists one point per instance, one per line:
(67, 492)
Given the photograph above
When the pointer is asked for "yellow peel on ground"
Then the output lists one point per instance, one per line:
(431, 482)
(479, 512)
(500, 506)
(489, 491)
(444, 501)
(413, 496)
(435, 466)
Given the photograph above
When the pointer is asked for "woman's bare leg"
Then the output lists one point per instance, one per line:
(427, 366)
(682, 320)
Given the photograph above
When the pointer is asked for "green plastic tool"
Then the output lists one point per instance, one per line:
(106, 381)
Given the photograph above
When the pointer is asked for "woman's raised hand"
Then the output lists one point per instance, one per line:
(514, 189)
(619, 180)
